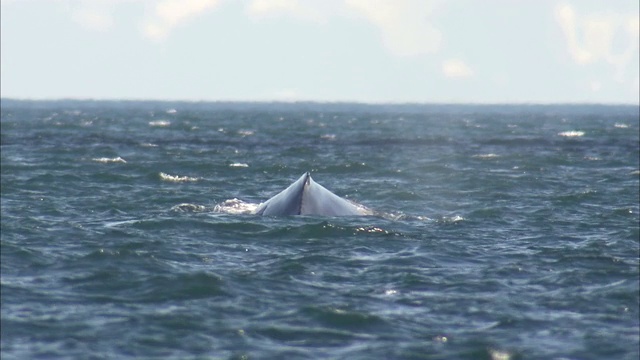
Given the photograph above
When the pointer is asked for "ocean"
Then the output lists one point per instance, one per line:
(500, 231)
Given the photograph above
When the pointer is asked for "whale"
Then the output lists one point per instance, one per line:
(306, 197)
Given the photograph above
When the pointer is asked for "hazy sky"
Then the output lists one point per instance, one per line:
(324, 50)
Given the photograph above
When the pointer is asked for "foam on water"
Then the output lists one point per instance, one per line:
(110, 160)
(571, 133)
(236, 207)
(176, 178)
(188, 208)
(159, 123)
(486, 156)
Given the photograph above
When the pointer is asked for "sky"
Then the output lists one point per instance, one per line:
(373, 51)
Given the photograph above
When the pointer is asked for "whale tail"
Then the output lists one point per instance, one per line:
(306, 197)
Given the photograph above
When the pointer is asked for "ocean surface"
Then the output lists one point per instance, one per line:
(501, 231)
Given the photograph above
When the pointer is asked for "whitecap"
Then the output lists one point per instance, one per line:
(105, 160)
(621, 126)
(239, 165)
(160, 123)
(328, 136)
(500, 354)
(372, 229)
(486, 156)
(235, 206)
(451, 219)
(571, 133)
(172, 178)
(246, 132)
(185, 207)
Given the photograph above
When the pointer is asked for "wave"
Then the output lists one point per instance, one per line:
(235, 206)
(106, 160)
(571, 133)
(159, 123)
(173, 178)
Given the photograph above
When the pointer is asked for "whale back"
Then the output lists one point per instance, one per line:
(306, 197)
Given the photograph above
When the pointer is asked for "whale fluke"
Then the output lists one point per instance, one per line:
(306, 197)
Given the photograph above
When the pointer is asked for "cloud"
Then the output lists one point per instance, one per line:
(403, 24)
(566, 18)
(165, 15)
(455, 68)
(169, 14)
(316, 11)
(590, 38)
(94, 15)
(266, 7)
(633, 26)
(93, 18)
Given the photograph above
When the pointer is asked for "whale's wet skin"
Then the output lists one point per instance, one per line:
(306, 197)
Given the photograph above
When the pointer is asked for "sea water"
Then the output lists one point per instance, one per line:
(501, 231)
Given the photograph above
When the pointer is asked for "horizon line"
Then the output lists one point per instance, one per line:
(316, 101)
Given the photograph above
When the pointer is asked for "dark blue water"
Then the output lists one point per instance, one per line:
(503, 232)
